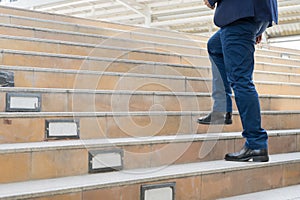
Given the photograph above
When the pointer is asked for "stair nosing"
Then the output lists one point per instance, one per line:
(93, 27)
(120, 74)
(89, 45)
(125, 92)
(123, 113)
(128, 61)
(44, 187)
(115, 142)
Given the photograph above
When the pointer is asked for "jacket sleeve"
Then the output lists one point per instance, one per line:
(212, 2)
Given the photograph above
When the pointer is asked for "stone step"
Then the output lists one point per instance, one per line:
(93, 39)
(203, 180)
(283, 53)
(64, 100)
(173, 58)
(198, 69)
(82, 49)
(177, 49)
(71, 158)
(285, 193)
(36, 127)
(125, 27)
(91, 50)
(40, 33)
(77, 79)
(135, 33)
(64, 61)
(282, 49)
(84, 29)
(24, 13)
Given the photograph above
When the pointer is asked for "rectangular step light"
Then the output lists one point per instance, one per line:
(105, 160)
(286, 56)
(23, 102)
(61, 129)
(165, 191)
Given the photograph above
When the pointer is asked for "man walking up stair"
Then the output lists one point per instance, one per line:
(232, 50)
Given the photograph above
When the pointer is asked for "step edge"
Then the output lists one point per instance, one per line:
(89, 45)
(116, 179)
(113, 142)
(124, 114)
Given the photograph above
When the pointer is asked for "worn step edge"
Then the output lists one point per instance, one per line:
(109, 142)
(62, 42)
(116, 114)
(128, 61)
(285, 193)
(125, 92)
(117, 31)
(112, 29)
(65, 185)
(67, 71)
(196, 47)
(127, 49)
(56, 15)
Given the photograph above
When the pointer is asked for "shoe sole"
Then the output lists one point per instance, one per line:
(215, 123)
(254, 159)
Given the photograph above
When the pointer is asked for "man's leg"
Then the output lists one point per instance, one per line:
(221, 91)
(238, 41)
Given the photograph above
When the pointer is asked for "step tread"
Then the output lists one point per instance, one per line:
(119, 48)
(96, 181)
(125, 113)
(114, 29)
(108, 142)
(285, 193)
(120, 74)
(89, 45)
(124, 92)
(117, 31)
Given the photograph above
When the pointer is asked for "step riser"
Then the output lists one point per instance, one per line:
(147, 38)
(72, 162)
(107, 102)
(276, 78)
(277, 68)
(115, 53)
(82, 63)
(64, 18)
(98, 40)
(104, 82)
(280, 53)
(277, 60)
(88, 22)
(133, 126)
(63, 102)
(123, 43)
(204, 187)
(79, 63)
(106, 32)
(99, 52)
(132, 35)
(114, 42)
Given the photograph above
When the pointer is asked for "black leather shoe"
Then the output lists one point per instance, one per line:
(228, 118)
(245, 154)
(216, 118)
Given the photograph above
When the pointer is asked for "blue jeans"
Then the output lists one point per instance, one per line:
(232, 50)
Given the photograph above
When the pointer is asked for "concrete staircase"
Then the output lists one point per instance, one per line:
(108, 111)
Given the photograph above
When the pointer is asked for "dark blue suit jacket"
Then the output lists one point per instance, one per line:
(228, 11)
